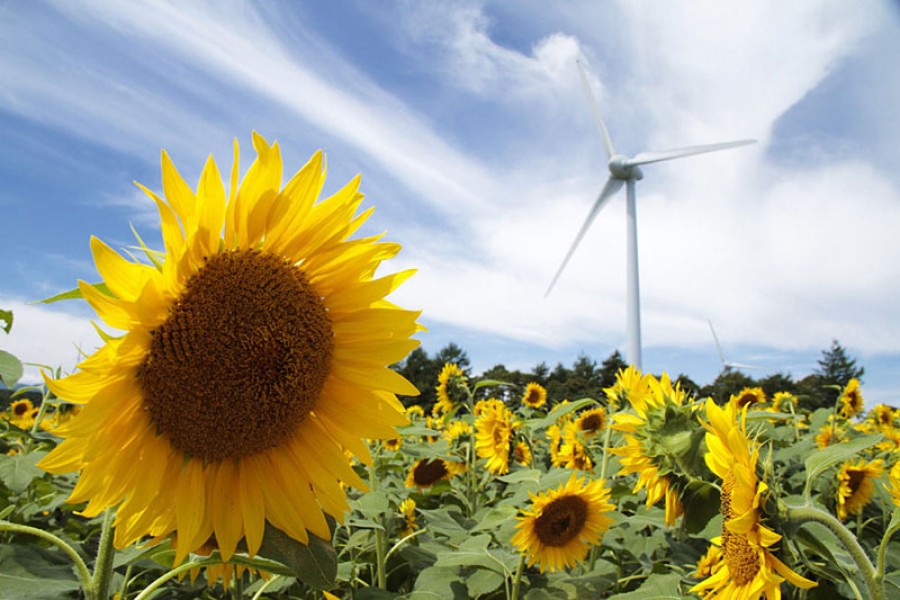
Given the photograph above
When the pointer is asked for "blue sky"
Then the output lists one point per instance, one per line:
(475, 142)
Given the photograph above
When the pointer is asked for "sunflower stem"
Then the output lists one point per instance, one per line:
(797, 515)
(517, 581)
(380, 541)
(265, 586)
(606, 437)
(882, 549)
(83, 573)
(105, 554)
(168, 575)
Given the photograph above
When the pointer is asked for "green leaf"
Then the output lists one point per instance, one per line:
(75, 294)
(10, 369)
(701, 502)
(656, 586)
(315, 564)
(483, 581)
(6, 316)
(17, 472)
(33, 573)
(443, 582)
(495, 517)
(559, 411)
(822, 459)
(530, 475)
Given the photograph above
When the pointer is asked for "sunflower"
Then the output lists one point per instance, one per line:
(561, 524)
(660, 416)
(426, 472)
(831, 433)
(522, 454)
(710, 562)
(415, 410)
(572, 453)
(749, 396)
(749, 568)
(255, 349)
(488, 404)
(450, 377)
(535, 395)
(856, 483)
(630, 386)
(393, 444)
(893, 486)
(407, 510)
(456, 429)
(493, 435)
(851, 399)
(591, 422)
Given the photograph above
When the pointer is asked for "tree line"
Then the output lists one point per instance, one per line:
(586, 378)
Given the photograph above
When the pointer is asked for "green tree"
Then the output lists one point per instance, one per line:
(836, 368)
(609, 367)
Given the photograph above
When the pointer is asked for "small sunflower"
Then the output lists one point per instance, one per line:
(591, 422)
(451, 376)
(631, 386)
(407, 510)
(856, 483)
(561, 525)
(456, 429)
(851, 400)
(573, 454)
(749, 568)
(893, 486)
(256, 348)
(710, 562)
(20, 409)
(426, 472)
(493, 436)
(831, 433)
(393, 444)
(749, 396)
(554, 439)
(535, 395)
(522, 454)
(414, 410)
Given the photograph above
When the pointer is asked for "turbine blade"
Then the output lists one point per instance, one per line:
(607, 141)
(644, 158)
(718, 347)
(611, 187)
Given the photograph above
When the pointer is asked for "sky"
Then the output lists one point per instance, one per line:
(475, 141)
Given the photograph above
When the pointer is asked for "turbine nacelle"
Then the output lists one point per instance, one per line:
(620, 167)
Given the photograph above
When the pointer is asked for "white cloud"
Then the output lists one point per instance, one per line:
(47, 336)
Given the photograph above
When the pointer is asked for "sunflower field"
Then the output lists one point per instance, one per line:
(239, 435)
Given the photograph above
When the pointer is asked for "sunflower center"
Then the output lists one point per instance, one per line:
(591, 423)
(20, 408)
(241, 359)
(429, 472)
(741, 558)
(561, 521)
(855, 479)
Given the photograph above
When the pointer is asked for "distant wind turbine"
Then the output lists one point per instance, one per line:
(727, 366)
(625, 170)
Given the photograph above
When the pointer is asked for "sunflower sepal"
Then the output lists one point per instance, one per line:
(75, 294)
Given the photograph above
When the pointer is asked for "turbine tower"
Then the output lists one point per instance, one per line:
(626, 170)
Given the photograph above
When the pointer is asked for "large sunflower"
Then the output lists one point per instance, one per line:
(255, 349)
(562, 524)
(750, 569)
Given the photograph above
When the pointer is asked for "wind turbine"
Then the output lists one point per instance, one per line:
(727, 366)
(626, 170)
